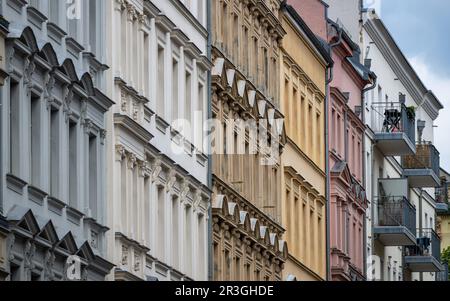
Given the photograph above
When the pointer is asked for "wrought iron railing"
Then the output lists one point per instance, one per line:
(426, 157)
(397, 211)
(393, 117)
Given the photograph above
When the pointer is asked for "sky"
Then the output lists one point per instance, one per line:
(422, 30)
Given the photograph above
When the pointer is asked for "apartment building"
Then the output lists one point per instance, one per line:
(158, 195)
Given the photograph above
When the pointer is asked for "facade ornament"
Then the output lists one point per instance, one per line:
(88, 126)
(145, 170)
(94, 240)
(84, 274)
(68, 97)
(83, 111)
(11, 242)
(28, 256)
(184, 190)
(131, 12)
(49, 262)
(124, 256)
(135, 110)
(29, 69)
(156, 170)
(137, 262)
(132, 161)
(120, 152)
(103, 134)
(49, 84)
(124, 101)
(10, 59)
(172, 179)
(197, 199)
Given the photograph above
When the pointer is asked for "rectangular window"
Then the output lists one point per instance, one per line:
(188, 239)
(14, 129)
(93, 173)
(188, 95)
(160, 88)
(266, 70)
(73, 165)
(53, 7)
(54, 152)
(201, 245)
(92, 25)
(175, 231)
(245, 50)
(146, 65)
(236, 39)
(35, 140)
(175, 88)
(161, 219)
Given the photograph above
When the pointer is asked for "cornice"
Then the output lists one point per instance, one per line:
(190, 17)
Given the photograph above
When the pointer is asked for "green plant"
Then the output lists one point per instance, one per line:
(445, 255)
(411, 112)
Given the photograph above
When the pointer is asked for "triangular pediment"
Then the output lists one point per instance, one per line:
(24, 219)
(342, 171)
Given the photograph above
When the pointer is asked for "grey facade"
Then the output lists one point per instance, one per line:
(53, 138)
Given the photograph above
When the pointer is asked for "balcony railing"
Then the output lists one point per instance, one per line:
(426, 157)
(443, 274)
(396, 211)
(428, 244)
(393, 117)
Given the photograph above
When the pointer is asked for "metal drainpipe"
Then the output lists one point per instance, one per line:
(209, 176)
(327, 156)
(364, 178)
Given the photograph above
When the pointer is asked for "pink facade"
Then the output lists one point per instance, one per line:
(347, 199)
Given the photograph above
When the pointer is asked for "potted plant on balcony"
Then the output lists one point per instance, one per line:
(411, 112)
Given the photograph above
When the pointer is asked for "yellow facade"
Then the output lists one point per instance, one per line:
(303, 178)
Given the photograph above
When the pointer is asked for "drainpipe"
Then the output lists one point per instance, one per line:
(330, 76)
(209, 176)
(364, 178)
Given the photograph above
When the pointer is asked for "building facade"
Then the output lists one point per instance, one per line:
(53, 140)
(157, 165)
(303, 74)
(247, 233)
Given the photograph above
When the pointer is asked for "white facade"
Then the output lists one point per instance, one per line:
(395, 77)
(158, 198)
(53, 144)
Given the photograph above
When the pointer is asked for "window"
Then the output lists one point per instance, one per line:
(245, 50)
(160, 217)
(266, 70)
(35, 140)
(53, 7)
(175, 88)
(188, 239)
(146, 65)
(14, 129)
(236, 38)
(93, 180)
(188, 101)
(54, 152)
(160, 88)
(175, 230)
(200, 112)
(201, 245)
(73, 165)
(92, 25)
(287, 107)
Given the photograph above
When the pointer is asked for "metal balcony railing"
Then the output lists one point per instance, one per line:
(393, 117)
(443, 275)
(428, 244)
(397, 211)
(426, 157)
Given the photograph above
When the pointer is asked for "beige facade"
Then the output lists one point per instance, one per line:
(303, 178)
(247, 238)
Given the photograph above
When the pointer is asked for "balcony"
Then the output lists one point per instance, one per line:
(441, 197)
(425, 255)
(443, 274)
(394, 128)
(396, 224)
(422, 169)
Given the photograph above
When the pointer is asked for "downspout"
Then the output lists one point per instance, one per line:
(330, 76)
(209, 176)
(363, 114)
